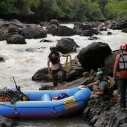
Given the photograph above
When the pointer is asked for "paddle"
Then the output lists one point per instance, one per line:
(17, 87)
(20, 95)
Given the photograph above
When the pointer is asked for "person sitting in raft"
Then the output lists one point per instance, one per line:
(100, 87)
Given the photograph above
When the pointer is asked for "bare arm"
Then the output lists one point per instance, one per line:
(99, 93)
(91, 84)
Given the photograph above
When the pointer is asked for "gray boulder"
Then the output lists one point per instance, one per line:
(54, 21)
(87, 33)
(64, 31)
(93, 55)
(5, 122)
(5, 36)
(110, 60)
(16, 39)
(35, 33)
(52, 29)
(66, 45)
(4, 27)
(1, 36)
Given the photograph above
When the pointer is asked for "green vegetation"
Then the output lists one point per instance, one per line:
(70, 10)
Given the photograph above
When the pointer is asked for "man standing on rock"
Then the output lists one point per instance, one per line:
(121, 64)
(100, 87)
(54, 58)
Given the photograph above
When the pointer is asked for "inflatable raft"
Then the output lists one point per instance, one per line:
(45, 104)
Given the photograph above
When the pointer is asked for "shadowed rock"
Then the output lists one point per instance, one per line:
(5, 122)
(102, 112)
(30, 33)
(93, 55)
(16, 39)
(64, 31)
(66, 45)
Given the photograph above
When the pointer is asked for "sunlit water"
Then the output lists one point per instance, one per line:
(22, 65)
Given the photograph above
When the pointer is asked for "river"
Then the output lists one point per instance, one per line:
(22, 65)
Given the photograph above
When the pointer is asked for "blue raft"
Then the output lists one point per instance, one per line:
(41, 104)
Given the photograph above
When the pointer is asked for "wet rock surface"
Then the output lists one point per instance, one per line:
(5, 122)
(102, 112)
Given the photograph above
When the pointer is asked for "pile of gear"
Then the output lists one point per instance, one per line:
(8, 94)
(12, 95)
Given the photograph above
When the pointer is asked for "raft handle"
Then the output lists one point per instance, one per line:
(16, 113)
(54, 111)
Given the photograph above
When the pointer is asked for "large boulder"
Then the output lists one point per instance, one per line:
(110, 60)
(16, 39)
(35, 33)
(124, 30)
(52, 29)
(87, 27)
(93, 55)
(54, 21)
(78, 25)
(87, 33)
(12, 29)
(66, 45)
(64, 31)
(123, 24)
(4, 27)
(5, 36)
(17, 23)
(41, 75)
(82, 29)
(77, 31)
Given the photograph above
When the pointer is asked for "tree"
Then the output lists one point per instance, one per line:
(122, 9)
(8, 7)
(24, 6)
(95, 13)
(110, 11)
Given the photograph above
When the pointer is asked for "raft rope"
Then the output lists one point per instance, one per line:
(68, 64)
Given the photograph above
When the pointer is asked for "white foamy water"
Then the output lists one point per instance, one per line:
(22, 64)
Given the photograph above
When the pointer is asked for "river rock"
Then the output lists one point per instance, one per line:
(93, 56)
(78, 25)
(16, 39)
(54, 21)
(66, 45)
(124, 30)
(2, 59)
(110, 60)
(35, 33)
(4, 27)
(102, 112)
(64, 31)
(87, 33)
(52, 29)
(5, 122)
(0, 35)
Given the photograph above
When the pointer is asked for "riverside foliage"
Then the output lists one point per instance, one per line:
(71, 10)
